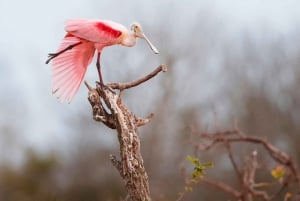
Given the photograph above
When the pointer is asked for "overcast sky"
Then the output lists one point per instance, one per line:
(31, 29)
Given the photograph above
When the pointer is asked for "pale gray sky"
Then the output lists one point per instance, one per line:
(31, 29)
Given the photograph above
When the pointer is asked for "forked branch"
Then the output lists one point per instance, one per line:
(109, 109)
(249, 188)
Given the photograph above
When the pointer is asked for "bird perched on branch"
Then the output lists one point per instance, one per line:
(77, 49)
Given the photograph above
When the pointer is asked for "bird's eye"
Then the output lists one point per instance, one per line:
(135, 28)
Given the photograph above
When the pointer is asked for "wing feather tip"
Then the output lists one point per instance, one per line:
(55, 90)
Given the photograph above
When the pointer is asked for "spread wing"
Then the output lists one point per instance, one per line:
(98, 31)
(68, 69)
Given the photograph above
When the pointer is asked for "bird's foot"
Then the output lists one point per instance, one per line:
(103, 86)
(51, 56)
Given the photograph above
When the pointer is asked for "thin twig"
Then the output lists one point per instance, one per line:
(249, 186)
(237, 170)
(127, 85)
(274, 152)
(221, 186)
(143, 121)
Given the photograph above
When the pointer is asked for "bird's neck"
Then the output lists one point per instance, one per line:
(129, 39)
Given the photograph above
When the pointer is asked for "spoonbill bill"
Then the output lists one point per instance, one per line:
(76, 51)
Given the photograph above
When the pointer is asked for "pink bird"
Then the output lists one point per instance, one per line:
(77, 49)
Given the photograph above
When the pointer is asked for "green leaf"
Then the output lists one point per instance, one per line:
(208, 165)
(193, 160)
(278, 172)
(199, 169)
(188, 188)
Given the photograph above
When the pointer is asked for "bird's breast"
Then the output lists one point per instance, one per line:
(128, 39)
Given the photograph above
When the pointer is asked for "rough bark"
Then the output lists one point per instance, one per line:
(109, 109)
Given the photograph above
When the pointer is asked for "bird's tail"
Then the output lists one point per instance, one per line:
(69, 67)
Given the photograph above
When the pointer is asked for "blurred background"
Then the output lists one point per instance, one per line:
(227, 61)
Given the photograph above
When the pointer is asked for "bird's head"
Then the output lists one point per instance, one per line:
(138, 32)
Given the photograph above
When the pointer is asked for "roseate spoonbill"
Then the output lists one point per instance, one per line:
(77, 49)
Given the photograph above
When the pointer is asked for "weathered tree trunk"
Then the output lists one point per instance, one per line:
(117, 116)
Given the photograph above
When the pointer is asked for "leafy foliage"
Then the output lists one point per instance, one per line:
(199, 168)
(278, 172)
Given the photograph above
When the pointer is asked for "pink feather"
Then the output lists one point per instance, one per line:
(77, 49)
(69, 68)
(98, 31)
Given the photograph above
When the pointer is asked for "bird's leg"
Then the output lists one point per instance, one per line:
(99, 69)
(100, 75)
(53, 55)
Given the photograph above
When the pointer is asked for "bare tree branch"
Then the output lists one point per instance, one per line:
(127, 85)
(109, 109)
(221, 186)
(249, 188)
(230, 154)
(274, 152)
